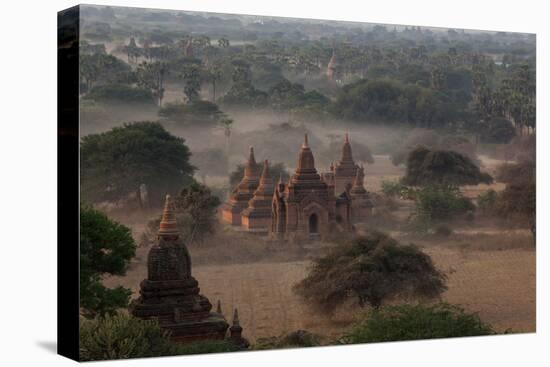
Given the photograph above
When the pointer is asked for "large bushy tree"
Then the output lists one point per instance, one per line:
(371, 269)
(115, 163)
(106, 247)
(442, 167)
(196, 210)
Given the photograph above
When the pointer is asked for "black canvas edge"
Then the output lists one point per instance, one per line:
(68, 182)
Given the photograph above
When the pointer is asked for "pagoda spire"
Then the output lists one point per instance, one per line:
(168, 225)
(250, 170)
(358, 187)
(346, 151)
(266, 176)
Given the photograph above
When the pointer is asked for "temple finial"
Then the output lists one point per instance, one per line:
(219, 307)
(168, 225)
(306, 143)
(346, 139)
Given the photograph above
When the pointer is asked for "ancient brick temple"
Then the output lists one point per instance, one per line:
(241, 195)
(309, 206)
(170, 294)
(345, 170)
(361, 205)
(257, 216)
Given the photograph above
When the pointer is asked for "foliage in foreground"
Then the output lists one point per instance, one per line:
(411, 322)
(122, 336)
(295, 339)
(441, 167)
(370, 269)
(106, 247)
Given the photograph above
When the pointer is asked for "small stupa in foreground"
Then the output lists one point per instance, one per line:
(170, 294)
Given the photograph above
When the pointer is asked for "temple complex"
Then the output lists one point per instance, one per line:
(306, 207)
(170, 294)
(309, 206)
(257, 216)
(241, 195)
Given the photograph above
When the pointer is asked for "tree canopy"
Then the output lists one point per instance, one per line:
(196, 209)
(431, 167)
(413, 322)
(370, 269)
(106, 247)
(115, 163)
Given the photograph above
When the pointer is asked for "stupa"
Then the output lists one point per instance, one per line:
(241, 195)
(170, 294)
(257, 217)
(345, 169)
(361, 204)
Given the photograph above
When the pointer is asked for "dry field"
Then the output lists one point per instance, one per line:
(499, 284)
(489, 271)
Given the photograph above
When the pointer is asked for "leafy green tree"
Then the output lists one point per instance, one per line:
(106, 247)
(438, 203)
(486, 201)
(192, 82)
(295, 339)
(223, 42)
(122, 336)
(198, 112)
(371, 269)
(242, 91)
(440, 167)
(196, 216)
(115, 163)
(151, 75)
(413, 322)
(103, 68)
(499, 131)
(518, 199)
(199, 206)
(120, 93)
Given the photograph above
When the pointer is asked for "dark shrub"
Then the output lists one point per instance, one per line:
(296, 339)
(429, 167)
(412, 322)
(498, 131)
(371, 270)
(120, 93)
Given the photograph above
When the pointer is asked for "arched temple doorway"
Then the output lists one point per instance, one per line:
(313, 224)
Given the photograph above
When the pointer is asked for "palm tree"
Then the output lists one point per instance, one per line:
(223, 42)
(214, 75)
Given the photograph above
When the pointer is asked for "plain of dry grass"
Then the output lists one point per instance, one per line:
(490, 271)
